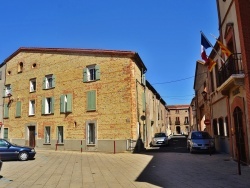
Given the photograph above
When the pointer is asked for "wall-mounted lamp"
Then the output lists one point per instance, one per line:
(204, 95)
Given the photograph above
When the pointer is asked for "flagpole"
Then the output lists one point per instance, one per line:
(213, 47)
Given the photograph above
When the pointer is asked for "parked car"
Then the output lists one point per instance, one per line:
(9, 151)
(159, 139)
(1, 164)
(200, 141)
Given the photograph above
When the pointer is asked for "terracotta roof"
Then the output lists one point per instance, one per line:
(129, 54)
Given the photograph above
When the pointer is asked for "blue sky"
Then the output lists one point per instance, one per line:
(165, 33)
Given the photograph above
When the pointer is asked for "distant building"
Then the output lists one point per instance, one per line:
(178, 119)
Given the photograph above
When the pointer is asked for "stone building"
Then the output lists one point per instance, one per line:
(178, 119)
(73, 99)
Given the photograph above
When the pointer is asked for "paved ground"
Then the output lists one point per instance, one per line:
(164, 167)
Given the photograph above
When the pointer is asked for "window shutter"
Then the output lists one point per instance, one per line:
(6, 111)
(85, 74)
(44, 83)
(53, 80)
(62, 104)
(43, 105)
(91, 100)
(97, 72)
(6, 133)
(18, 109)
(52, 104)
(69, 103)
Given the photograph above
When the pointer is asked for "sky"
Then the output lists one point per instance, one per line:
(165, 33)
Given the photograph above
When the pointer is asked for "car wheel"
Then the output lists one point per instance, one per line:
(23, 156)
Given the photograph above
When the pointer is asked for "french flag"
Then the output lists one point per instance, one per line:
(204, 45)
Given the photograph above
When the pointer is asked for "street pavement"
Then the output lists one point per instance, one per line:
(170, 167)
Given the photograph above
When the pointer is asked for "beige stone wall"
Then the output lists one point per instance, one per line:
(117, 97)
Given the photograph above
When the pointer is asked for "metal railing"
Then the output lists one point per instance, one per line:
(233, 65)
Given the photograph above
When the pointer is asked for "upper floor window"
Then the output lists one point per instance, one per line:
(48, 105)
(177, 111)
(0, 75)
(32, 105)
(49, 81)
(33, 85)
(91, 73)
(7, 90)
(20, 67)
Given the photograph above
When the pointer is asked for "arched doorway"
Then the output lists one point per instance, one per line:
(240, 141)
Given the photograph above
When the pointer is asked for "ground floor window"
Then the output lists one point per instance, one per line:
(91, 133)
(47, 135)
(60, 134)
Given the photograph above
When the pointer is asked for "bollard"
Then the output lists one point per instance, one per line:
(81, 146)
(56, 144)
(114, 146)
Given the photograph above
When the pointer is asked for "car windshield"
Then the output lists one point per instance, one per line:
(160, 135)
(200, 135)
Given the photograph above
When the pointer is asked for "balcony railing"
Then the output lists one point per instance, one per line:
(177, 123)
(233, 65)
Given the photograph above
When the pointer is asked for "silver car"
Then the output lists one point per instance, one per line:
(159, 139)
(200, 141)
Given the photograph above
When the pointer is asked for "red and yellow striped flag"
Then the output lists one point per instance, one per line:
(224, 49)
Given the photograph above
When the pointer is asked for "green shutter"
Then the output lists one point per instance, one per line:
(91, 100)
(52, 104)
(44, 83)
(43, 105)
(143, 101)
(53, 81)
(6, 133)
(6, 111)
(97, 72)
(85, 75)
(62, 104)
(18, 109)
(69, 103)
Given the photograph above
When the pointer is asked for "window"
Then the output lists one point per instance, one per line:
(32, 105)
(91, 133)
(221, 127)
(18, 109)
(177, 111)
(226, 122)
(215, 127)
(60, 134)
(49, 81)
(6, 111)
(33, 85)
(7, 90)
(47, 135)
(0, 75)
(6, 133)
(186, 121)
(20, 67)
(48, 105)
(66, 103)
(91, 100)
(91, 73)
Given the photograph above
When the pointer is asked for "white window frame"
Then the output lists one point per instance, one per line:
(91, 133)
(48, 105)
(47, 134)
(32, 85)
(49, 81)
(32, 107)
(91, 73)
